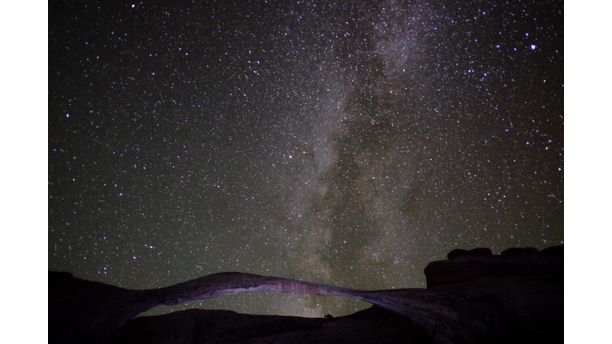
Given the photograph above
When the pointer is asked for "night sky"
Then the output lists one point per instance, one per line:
(341, 142)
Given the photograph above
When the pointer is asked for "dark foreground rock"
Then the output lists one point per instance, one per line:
(373, 325)
(474, 297)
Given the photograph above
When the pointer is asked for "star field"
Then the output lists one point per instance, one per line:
(347, 143)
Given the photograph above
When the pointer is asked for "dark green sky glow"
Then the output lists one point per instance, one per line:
(341, 142)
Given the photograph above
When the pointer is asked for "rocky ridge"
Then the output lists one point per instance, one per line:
(473, 297)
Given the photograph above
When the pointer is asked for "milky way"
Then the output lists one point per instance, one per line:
(347, 143)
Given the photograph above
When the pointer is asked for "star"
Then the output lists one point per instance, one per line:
(347, 143)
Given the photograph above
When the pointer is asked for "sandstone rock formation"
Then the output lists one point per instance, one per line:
(474, 297)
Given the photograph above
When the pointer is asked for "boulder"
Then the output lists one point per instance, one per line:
(520, 252)
(475, 252)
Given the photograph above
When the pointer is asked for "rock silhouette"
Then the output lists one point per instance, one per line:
(474, 297)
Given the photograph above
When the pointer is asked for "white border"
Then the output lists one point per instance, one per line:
(588, 170)
(23, 176)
